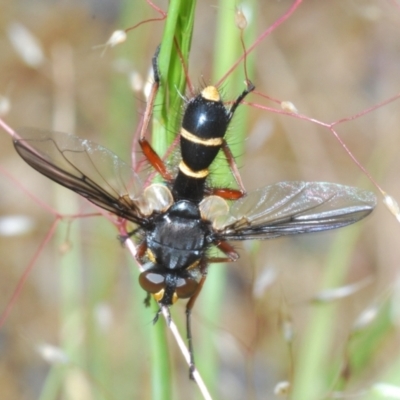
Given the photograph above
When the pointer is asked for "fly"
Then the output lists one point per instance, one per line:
(179, 221)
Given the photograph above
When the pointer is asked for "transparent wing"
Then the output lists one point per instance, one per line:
(85, 167)
(289, 208)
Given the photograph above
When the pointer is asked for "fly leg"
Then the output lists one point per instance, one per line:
(189, 307)
(227, 193)
(147, 149)
(231, 255)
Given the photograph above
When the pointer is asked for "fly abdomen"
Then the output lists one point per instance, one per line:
(203, 128)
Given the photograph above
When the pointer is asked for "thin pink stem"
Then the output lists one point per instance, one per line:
(26, 273)
(278, 22)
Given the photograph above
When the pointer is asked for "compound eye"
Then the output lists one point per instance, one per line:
(185, 287)
(151, 281)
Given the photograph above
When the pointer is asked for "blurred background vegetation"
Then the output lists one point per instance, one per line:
(264, 326)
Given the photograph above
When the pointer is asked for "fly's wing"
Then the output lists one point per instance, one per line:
(289, 208)
(85, 167)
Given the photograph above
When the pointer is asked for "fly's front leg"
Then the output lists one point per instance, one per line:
(189, 307)
(231, 255)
